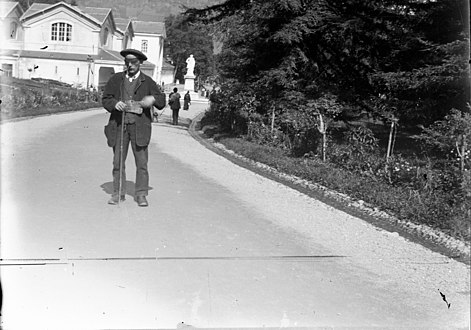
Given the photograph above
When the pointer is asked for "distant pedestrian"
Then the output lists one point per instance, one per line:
(186, 101)
(174, 102)
(213, 96)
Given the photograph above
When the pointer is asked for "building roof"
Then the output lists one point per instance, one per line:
(9, 52)
(103, 55)
(108, 55)
(47, 55)
(96, 15)
(100, 14)
(122, 23)
(6, 7)
(35, 8)
(149, 27)
(113, 55)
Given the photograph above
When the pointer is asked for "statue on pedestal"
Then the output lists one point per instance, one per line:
(190, 65)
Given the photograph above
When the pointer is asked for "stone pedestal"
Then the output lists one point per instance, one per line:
(189, 83)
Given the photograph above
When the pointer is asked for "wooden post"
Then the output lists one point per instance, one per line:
(322, 129)
(88, 81)
(462, 152)
(390, 142)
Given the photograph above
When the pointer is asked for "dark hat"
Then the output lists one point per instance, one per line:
(134, 52)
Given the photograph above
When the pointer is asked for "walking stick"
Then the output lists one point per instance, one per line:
(120, 183)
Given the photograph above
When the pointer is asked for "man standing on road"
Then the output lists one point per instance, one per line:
(134, 93)
(175, 105)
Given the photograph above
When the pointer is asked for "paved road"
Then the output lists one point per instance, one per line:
(219, 246)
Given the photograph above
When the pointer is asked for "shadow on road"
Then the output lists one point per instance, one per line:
(130, 188)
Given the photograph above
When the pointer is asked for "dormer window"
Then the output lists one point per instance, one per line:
(61, 32)
(13, 30)
(106, 34)
(144, 44)
(126, 41)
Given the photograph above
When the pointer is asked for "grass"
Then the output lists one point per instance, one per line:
(39, 111)
(432, 209)
(7, 114)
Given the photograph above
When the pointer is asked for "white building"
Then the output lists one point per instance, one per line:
(11, 36)
(167, 75)
(149, 39)
(76, 45)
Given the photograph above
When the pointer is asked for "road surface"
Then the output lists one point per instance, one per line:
(218, 246)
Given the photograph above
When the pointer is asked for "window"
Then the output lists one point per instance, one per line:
(61, 32)
(106, 33)
(55, 70)
(13, 30)
(144, 46)
(78, 71)
(7, 70)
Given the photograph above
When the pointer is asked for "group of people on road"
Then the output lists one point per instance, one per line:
(130, 97)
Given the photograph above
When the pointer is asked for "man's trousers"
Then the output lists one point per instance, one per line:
(175, 116)
(141, 157)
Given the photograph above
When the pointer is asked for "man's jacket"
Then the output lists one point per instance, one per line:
(175, 105)
(112, 94)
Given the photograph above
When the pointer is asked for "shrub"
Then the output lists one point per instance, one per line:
(21, 99)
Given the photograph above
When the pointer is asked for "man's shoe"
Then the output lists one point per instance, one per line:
(142, 201)
(114, 199)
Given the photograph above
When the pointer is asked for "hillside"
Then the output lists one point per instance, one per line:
(147, 10)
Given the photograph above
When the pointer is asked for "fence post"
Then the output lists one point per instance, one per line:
(323, 129)
(390, 142)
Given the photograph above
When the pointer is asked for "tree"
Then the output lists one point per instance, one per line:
(429, 74)
(399, 60)
(308, 46)
(451, 137)
(183, 39)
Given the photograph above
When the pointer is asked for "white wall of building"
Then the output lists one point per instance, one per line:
(153, 48)
(71, 72)
(166, 76)
(109, 40)
(84, 36)
(87, 37)
(118, 42)
(11, 30)
(160, 61)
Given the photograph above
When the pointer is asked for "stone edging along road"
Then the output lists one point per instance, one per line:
(431, 238)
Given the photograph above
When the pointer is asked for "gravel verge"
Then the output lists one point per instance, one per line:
(431, 238)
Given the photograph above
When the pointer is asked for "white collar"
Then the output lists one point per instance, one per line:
(131, 79)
